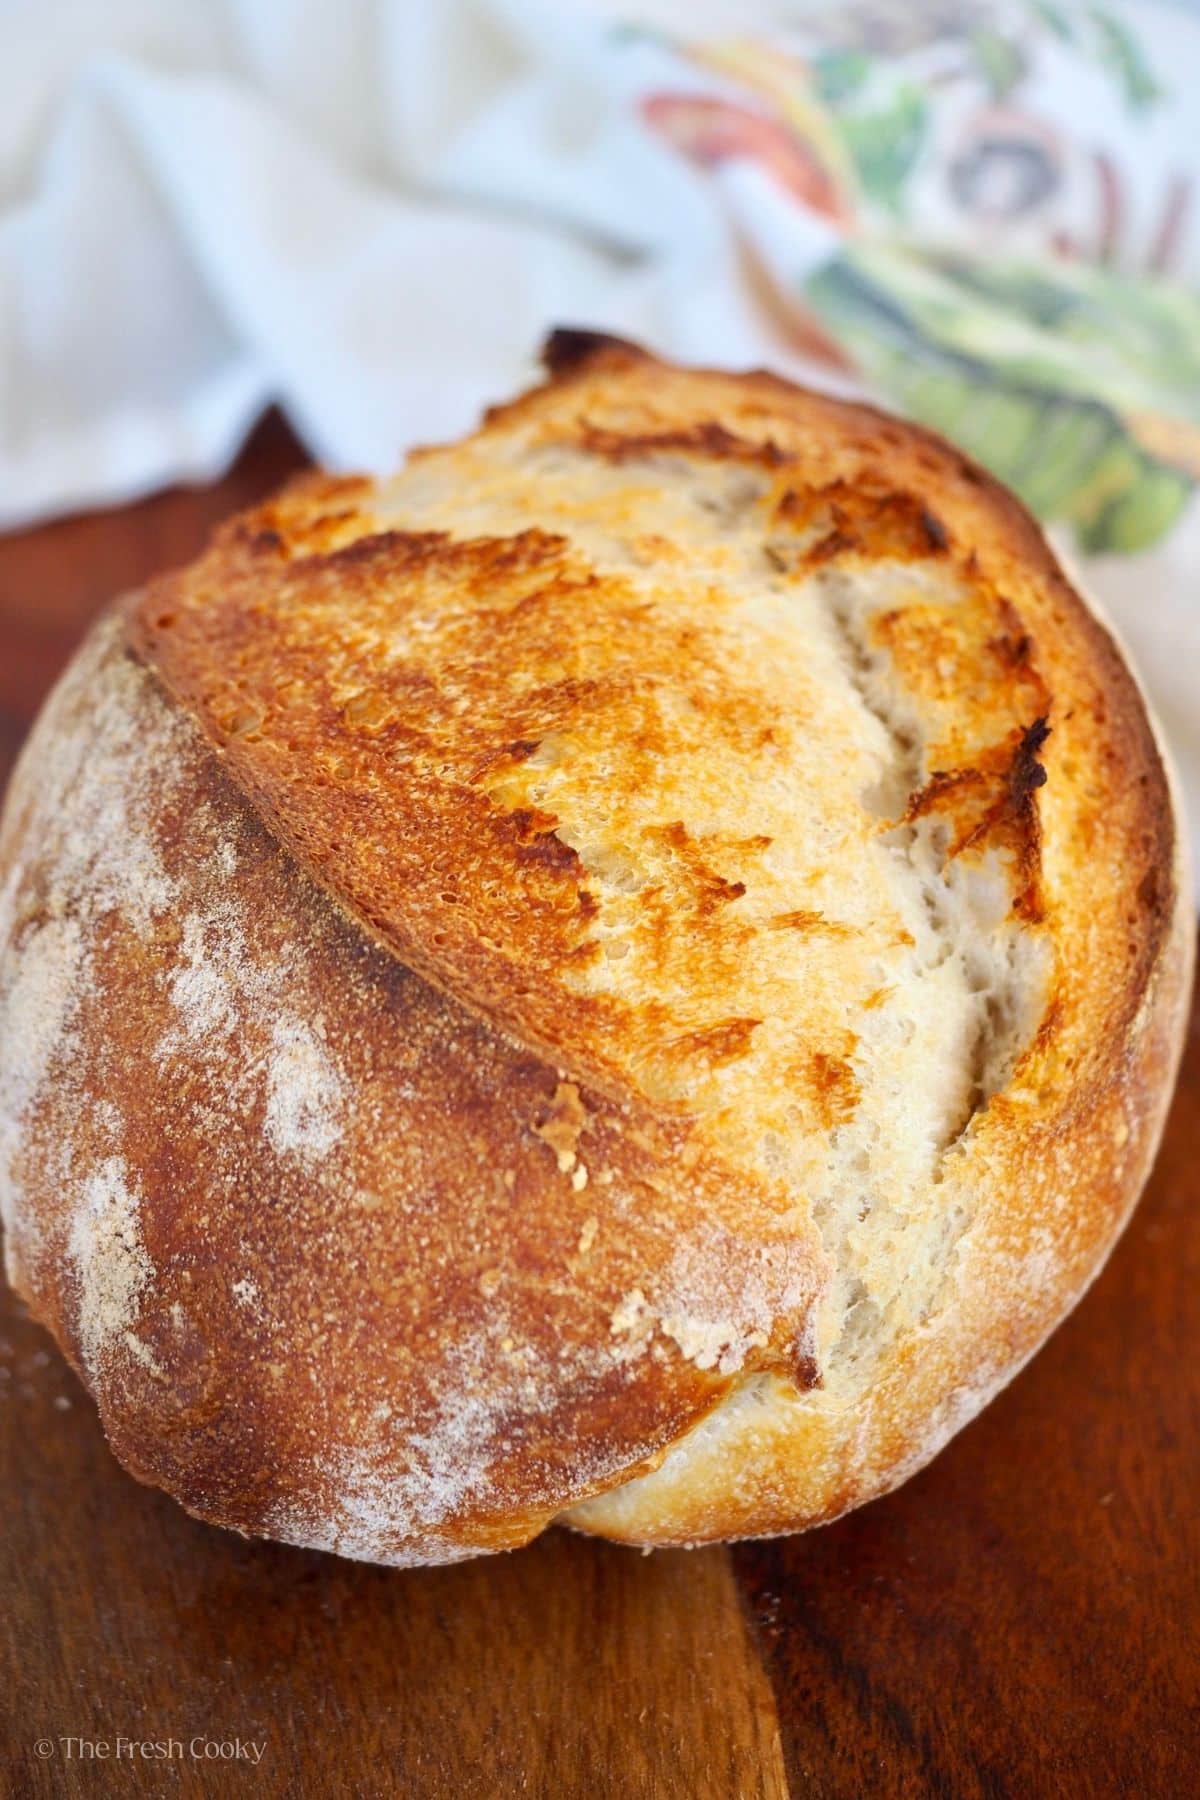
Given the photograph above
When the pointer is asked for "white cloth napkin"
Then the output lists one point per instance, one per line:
(370, 213)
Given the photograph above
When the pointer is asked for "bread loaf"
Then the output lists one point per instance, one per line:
(627, 975)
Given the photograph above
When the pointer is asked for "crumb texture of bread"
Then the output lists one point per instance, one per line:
(629, 973)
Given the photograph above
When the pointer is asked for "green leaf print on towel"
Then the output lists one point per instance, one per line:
(1078, 387)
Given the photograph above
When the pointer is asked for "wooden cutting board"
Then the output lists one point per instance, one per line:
(1022, 1620)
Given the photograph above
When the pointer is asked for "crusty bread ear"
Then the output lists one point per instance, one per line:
(602, 1005)
(570, 347)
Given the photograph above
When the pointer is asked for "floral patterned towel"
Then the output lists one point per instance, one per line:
(988, 213)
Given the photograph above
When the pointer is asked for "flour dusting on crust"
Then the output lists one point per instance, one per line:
(305, 1093)
(717, 1309)
(399, 1496)
(111, 1266)
(36, 999)
(89, 819)
(223, 994)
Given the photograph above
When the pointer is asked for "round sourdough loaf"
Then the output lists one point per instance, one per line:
(628, 975)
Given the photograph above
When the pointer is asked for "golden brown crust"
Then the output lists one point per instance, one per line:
(277, 641)
(354, 1259)
(791, 880)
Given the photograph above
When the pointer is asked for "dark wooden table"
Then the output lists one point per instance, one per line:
(1022, 1620)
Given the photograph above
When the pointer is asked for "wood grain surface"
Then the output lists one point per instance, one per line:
(1021, 1620)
